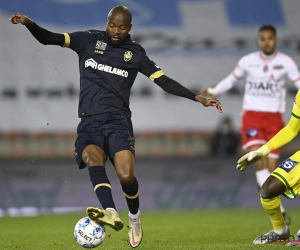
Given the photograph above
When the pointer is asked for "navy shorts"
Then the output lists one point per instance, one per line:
(112, 132)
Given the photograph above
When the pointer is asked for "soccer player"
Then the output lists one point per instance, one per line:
(264, 98)
(109, 62)
(284, 180)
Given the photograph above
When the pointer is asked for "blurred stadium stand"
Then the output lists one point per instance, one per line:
(61, 144)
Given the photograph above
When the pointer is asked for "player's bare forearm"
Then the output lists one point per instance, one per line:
(20, 18)
(206, 102)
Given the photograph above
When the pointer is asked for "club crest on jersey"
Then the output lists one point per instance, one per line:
(266, 68)
(100, 45)
(127, 55)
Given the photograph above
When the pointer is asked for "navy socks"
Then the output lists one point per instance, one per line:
(101, 186)
(131, 192)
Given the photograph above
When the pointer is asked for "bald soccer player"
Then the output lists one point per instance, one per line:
(109, 62)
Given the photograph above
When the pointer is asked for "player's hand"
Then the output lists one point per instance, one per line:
(204, 92)
(209, 91)
(252, 157)
(206, 102)
(20, 18)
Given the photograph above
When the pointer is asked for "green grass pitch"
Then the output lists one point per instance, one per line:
(191, 229)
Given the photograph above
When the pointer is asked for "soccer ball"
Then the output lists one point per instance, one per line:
(88, 233)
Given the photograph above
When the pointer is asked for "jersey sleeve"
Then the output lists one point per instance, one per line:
(229, 81)
(239, 70)
(149, 68)
(293, 73)
(290, 131)
(76, 40)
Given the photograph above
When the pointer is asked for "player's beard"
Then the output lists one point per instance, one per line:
(268, 50)
(115, 43)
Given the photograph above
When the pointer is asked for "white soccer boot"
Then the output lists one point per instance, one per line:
(135, 233)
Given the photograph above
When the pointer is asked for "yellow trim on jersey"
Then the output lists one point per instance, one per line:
(101, 185)
(290, 131)
(156, 74)
(132, 197)
(67, 40)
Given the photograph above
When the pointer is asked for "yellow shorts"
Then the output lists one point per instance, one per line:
(289, 173)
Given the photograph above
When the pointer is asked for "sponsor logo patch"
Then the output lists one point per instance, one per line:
(100, 45)
(266, 89)
(278, 67)
(288, 165)
(252, 132)
(106, 68)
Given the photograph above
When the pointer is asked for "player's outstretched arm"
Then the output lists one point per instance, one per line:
(171, 86)
(223, 86)
(44, 36)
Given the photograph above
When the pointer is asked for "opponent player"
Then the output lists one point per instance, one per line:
(109, 62)
(285, 179)
(264, 98)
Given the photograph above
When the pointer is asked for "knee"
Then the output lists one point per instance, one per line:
(93, 157)
(266, 191)
(124, 165)
(126, 178)
(125, 174)
(272, 187)
(91, 160)
(269, 190)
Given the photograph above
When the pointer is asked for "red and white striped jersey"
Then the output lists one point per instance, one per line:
(266, 76)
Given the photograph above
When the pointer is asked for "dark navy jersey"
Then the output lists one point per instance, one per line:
(107, 72)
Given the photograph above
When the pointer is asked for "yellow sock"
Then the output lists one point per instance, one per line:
(272, 207)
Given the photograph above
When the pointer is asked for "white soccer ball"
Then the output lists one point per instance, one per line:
(88, 233)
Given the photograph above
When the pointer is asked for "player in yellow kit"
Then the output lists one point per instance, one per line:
(285, 179)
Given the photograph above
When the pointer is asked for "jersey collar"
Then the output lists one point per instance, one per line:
(267, 57)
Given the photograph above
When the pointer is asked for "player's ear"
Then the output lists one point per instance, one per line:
(130, 26)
